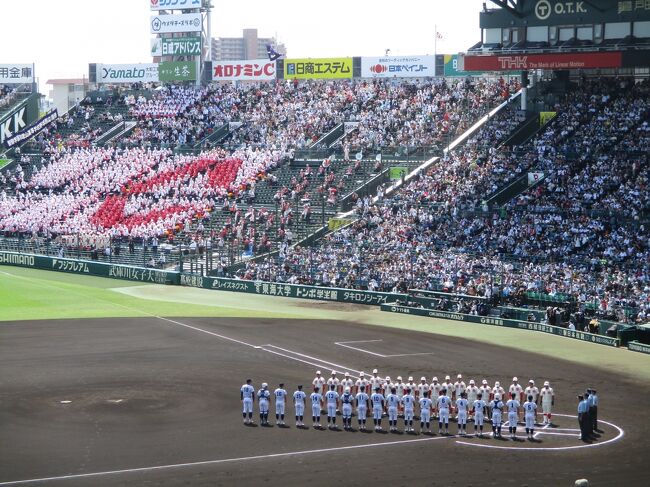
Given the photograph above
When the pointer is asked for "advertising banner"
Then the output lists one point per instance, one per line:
(174, 4)
(176, 46)
(32, 130)
(398, 67)
(319, 68)
(574, 60)
(489, 320)
(545, 117)
(167, 24)
(534, 178)
(252, 70)
(16, 73)
(177, 71)
(127, 73)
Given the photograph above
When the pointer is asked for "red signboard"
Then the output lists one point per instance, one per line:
(544, 61)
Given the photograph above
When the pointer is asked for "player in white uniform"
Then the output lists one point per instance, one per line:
(280, 398)
(399, 388)
(247, 394)
(376, 381)
(486, 390)
(377, 399)
(333, 381)
(362, 381)
(517, 389)
(443, 409)
(459, 387)
(392, 402)
(408, 402)
(332, 401)
(362, 399)
(346, 408)
(319, 381)
(263, 396)
(479, 414)
(316, 404)
(425, 412)
(532, 390)
(299, 405)
(472, 393)
(461, 408)
(387, 385)
(513, 415)
(498, 389)
(347, 382)
(548, 401)
(497, 409)
(530, 408)
(448, 386)
(435, 387)
(422, 388)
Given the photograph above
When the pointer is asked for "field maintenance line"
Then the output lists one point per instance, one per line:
(217, 462)
(346, 345)
(620, 435)
(317, 365)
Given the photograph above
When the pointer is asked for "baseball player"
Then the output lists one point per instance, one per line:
(422, 388)
(412, 385)
(247, 394)
(408, 403)
(461, 408)
(362, 381)
(346, 408)
(280, 397)
(346, 382)
(497, 409)
(425, 412)
(333, 381)
(377, 399)
(479, 414)
(448, 386)
(316, 404)
(434, 388)
(376, 381)
(530, 408)
(513, 414)
(459, 387)
(486, 390)
(362, 407)
(532, 390)
(498, 389)
(387, 385)
(400, 387)
(299, 405)
(392, 402)
(443, 409)
(472, 393)
(332, 400)
(263, 396)
(548, 401)
(517, 389)
(319, 381)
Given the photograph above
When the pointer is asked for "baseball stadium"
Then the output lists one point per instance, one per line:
(234, 266)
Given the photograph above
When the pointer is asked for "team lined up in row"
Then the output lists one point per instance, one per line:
(392, 398)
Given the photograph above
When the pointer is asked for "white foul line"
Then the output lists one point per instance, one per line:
(340, 367)
(225, 460)
(345, 344)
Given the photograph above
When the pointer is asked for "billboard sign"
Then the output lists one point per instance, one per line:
(31, 131)
(174, 4)
(176, 46)
(572, 60)
(16, 73)
(177, 71)
(253, 70)
(398, 67)
(318, 68)
(167, 24)
(127, 73)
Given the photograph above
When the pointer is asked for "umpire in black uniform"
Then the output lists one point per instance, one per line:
(593, 409)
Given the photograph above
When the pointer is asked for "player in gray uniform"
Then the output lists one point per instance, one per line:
(479, 414)
(247, 394)
(332, 401)
(497, 415)
(425, 412)
(408, 402)
(444, 402)
(280, 397)
(461, 407)
(263, 396)
(346, 408)
(377, 400)
(299, 405)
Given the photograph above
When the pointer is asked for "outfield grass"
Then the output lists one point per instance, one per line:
(27, 294)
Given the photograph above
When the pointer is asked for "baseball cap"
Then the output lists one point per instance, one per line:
(497, 384)
(435, 379)
(399, 377)
(334, 372)
(447, 377)
(472, 382)
(410, 378)
(362, 374)
(264, 385)
(374, 371)
(485, 381)
(347, 389)
(387, 377)
(531, 381)
(423, 378)
(459, 376)
(347, 374)
(514, 379)
(318, 372)
(547, 383)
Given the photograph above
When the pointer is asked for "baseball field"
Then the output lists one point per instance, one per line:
(106, 382)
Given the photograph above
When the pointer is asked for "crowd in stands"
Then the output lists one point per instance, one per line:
(428, 236)
(8, 96)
